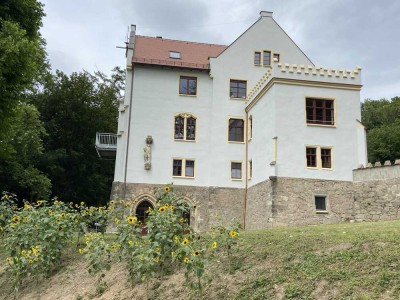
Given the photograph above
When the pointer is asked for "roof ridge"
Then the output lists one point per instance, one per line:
(181, 41)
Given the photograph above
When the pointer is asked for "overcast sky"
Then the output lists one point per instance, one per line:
(83, 34)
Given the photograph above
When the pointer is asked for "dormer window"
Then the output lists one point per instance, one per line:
(174, 54)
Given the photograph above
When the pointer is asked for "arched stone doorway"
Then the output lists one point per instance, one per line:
(142, 211)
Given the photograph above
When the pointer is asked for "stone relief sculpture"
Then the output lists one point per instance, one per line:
(147, 153)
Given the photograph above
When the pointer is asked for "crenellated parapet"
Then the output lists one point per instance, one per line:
(307, 75)
(377, 171)
(317, 73)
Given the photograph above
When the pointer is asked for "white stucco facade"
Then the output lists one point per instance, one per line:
(275, 99)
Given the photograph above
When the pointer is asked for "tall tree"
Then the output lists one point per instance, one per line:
(73, 109)
(22, 57)
(382, 121)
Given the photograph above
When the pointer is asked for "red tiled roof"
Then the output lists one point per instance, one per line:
(155, 51)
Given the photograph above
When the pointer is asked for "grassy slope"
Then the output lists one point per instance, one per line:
(345, 261)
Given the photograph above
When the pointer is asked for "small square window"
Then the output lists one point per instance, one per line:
(183, 168)
(257, 58)
(238, 89)
(188, 85)
(320, 203)
(277, 57)
(320, 111)
(236, 170)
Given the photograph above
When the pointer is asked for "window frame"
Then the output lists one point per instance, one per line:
(318, 157)
(250, 169)
(188, 78)
(185, 117)
(316, 122)
(241, 170)
(183, 167)
(259, 59)
(250, 128)
(243, 130)
(326, 204)
(263, 58)
(238, 81)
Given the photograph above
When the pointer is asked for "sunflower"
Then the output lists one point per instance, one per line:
(185, 241)
(116, 220)
(176, 239)
(112, 202)
(39, 202)
(166, 189)
(82, 203)
(186, 260)
(30, 261)
(16, 219)
(132, 220)
(233, 233)
(181, 220)
(214, 245)
(162, 209)
(130, 243)
(80, 251)
(196, 253)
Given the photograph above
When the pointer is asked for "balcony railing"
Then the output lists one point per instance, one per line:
(106, 145)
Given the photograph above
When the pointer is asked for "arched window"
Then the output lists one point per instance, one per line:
(185, 127)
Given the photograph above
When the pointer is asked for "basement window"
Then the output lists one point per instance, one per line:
(174, 54)
(320, 203)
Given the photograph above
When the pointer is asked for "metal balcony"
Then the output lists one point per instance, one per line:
(106, 145)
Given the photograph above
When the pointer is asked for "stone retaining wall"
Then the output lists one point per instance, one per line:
(283, 202)
(211, 205)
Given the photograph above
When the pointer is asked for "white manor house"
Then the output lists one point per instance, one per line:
(253, 131)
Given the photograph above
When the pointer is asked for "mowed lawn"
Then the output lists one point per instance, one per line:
(344, 261)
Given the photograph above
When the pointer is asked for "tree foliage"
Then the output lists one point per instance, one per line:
(382, 121)
(73, 109)
(22, 52)
(23, 140)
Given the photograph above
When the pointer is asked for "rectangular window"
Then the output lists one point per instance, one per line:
(236, 130)
(188, 85)
(257, 58)
(250, 129)
(311, 157)
(236, 170)
(183, 167)
(189, 168)
(326, 158)
(238, 89)
(177, 167)
(320, 203)
(250, 169)
(266, 58)
(320, 111)
(174, 54)
(277, 57)
(319, 157)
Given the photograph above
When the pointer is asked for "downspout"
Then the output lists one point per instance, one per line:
(247, 169)
(130, 45)
(129, 131)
